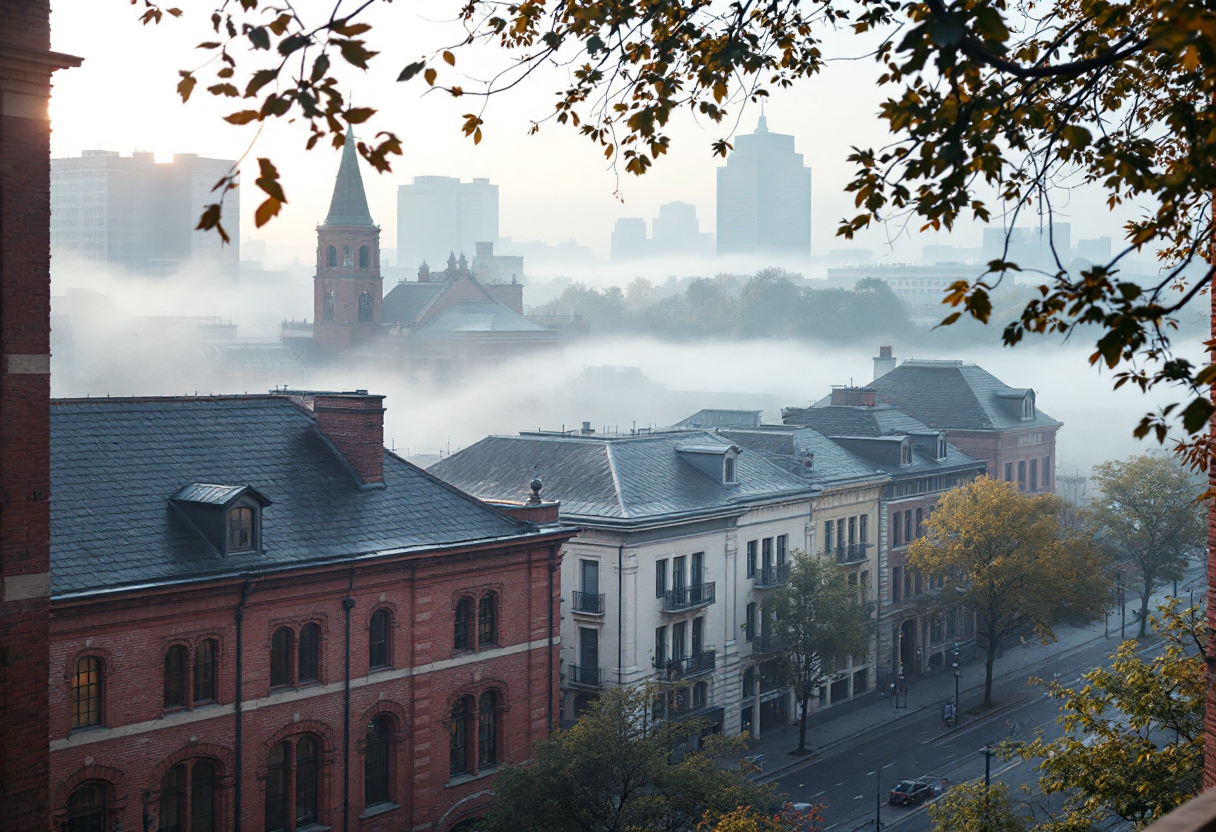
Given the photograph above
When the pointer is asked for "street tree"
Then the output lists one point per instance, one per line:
(751, 819)
(970, 807)
(993, 108)
(819, 622)
(1148, 514)
(1132, 748)
(1009, 559)
(625, 766)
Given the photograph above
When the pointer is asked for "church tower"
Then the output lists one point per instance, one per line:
(348, 289)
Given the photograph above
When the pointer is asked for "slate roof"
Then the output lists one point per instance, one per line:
(788, 447)
(849, 420)
(720, 417)
(405, 301)
(614, 479)
(479, 317)
(115, 463)
(953, 395)
(348, 206)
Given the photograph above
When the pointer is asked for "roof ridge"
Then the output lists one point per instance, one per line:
(616, 479)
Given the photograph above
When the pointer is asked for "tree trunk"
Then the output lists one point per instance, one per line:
(802, 726)
(1144, 597)
(989, 659)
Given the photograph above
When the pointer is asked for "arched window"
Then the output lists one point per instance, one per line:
(487, 626)
(86, 809)
(171, 808)
(749, 682)
(332, 257)
(346, 256)
(363, 257)
(86, 693)
(280, 657)
(376, 762)
(327, 307)
(310, 652)
(308, 779)
(365, 307)
(464, 610)
(487, 729)
(204, 671)
(377, 640)
(175, 677)
(202, 797)
(240, 529)
(276, 786)
(458, 752)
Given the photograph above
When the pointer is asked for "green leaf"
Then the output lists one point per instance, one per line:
(259, 37)
(411, 70)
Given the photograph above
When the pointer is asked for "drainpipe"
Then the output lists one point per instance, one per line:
(348, 603)
(549, 635)
(246, 591)
(620, 615)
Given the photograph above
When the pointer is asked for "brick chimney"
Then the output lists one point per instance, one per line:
(853, 396)
(354, 422)
(884, 362)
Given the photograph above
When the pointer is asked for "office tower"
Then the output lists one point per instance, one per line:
(629, 239)
(131, 212)
(440, 215)
(764, 197)
(676, 231)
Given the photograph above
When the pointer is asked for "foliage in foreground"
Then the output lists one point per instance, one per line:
(1148, 514)
(1010, 559)
(749, 819)
(969, 807)
(1133, 742)
(619, 769)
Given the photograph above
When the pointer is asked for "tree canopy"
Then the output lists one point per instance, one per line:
(622, 768)
(1148, 514)
(820, 622)
(1011, 560)
(969, 807)
(1132, 747)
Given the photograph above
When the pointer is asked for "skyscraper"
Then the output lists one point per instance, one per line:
(440, 215)
(131, 212)
(764, 197)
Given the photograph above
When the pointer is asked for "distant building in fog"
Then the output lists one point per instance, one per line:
(440, 215)
(1030, 248)
(764, 197)
(629, 239)
(131, 212)
(675, 231)
(1097, 250)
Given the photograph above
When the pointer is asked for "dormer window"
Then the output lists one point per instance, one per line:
(1028, 405)
(717, 461)
(229, 517)
(728, 470)
(905, 452)
(941, 446)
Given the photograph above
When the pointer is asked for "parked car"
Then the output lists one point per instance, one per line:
(911, 793)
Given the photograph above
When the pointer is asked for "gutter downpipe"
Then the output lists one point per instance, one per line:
(246, 591)
(348, 603)
(620, 614)
(552, 569)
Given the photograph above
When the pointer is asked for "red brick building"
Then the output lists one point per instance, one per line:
(26, 65)
(262, 620)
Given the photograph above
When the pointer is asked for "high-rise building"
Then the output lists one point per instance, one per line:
(131, 212)
(1030, 248)
(676, 231)
(629, 239)
(764, 197)
(440, 215)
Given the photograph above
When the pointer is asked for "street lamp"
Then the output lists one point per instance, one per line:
(955, 657)
(988, 753)
(878, 795)
(1122, 606)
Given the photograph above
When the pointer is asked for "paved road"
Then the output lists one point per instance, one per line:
(918, 746)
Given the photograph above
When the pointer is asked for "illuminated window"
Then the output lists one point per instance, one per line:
(86, 693)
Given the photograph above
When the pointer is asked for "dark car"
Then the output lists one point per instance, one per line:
(910, 793)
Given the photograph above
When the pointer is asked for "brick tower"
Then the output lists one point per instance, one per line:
(348, 289)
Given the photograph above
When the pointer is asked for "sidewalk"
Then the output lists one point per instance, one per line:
(845, 723)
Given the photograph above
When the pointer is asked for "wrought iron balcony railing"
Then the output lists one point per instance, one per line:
(852, 553)
(586, 677)
(688, 597)
(589, 603)
(771, 643)
(689, 666)
(770, 576)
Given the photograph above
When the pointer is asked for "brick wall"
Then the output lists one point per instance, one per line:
(141, 741)
(26, 65)
(354, 422)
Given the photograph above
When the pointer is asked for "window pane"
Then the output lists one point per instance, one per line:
(457, 754)
(461, 639)
(86, 809)
(307, 771)
(175, 677)
(487, 738)
(276, 788)
(240, 528)
(377, 640)
(487, 632)
(86, 693)
(375, 762)
(310, 647)
(202, 797)
(660, 578)
(280, 657)
(204, 671)
(170, 805)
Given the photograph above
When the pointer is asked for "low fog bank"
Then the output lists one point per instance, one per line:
(120, 336)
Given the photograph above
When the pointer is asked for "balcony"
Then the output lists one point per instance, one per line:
(852, 553)
(771, 576)
(587, 603)
(697, 664)
(771, 643)
(688, 597)
(1196, 815)
(586, 677)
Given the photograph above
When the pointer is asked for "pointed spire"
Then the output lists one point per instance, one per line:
(349, 203)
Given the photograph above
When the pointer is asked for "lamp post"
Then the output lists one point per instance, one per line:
(878, 795)
(1122, 606)
(987, 751)
(955, 655)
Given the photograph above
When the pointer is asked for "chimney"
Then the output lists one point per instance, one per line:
(853, 396)
(884, 363)
(354, 422)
